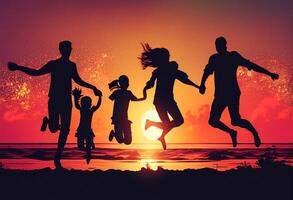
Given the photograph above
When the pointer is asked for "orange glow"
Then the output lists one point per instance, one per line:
(106, 39)
(152, 133)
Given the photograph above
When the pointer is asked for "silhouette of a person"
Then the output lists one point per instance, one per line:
(121, 97)
(84, 132)
(224, 65)
(62, 72)
(164, 75)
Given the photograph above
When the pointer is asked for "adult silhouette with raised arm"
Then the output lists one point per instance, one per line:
(224, 65)
(164, 75)
(62, 72)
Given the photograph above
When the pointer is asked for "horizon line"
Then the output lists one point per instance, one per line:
(147, 143)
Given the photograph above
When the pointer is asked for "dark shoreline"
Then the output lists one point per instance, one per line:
(274, 182)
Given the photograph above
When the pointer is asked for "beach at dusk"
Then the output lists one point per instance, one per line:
(157, 99)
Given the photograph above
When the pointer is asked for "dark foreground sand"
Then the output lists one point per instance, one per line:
(242, 183)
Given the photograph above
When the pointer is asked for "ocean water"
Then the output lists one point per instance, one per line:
(136, 156)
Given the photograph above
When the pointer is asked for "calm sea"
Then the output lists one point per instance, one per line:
(136, 156)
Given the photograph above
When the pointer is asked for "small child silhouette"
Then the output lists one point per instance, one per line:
(121, 97)
(84, 131)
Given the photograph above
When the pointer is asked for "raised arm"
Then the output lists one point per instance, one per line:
(151, 82)
(82, 83)
(30, 71)
(134, 98)
(77, 94)
(97, 106)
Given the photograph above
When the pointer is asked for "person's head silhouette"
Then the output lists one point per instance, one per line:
(221, 44)
(157, 57)
(123, 81)
(86, 102)
(65, 48)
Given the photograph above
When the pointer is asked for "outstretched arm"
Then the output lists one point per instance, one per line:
(81, 82)
(183, 77)
(30, 71)
(77, 94)
(252, 66)
(134, 98)
(259, 69)
(151, 82)
(96, 107)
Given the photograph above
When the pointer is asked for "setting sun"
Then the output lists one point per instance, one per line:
(152, 132)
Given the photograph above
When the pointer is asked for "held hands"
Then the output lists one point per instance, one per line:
(202, 89)
(97, 92)
(274, 76)
(12, 66)
(76, 93)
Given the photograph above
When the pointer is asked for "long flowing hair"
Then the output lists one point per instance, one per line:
(153, 57)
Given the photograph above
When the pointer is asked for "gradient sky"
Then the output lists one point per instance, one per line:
(106, 37)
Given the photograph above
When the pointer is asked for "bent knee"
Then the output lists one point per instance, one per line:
(213, 122)
(179, 121)
(127, 142)
(236, 122)
(53, 129)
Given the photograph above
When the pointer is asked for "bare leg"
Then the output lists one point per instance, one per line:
(165, 125)
(150, 123)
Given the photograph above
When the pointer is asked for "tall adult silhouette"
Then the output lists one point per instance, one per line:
(62, 72)
(224, 65)
(164, 76)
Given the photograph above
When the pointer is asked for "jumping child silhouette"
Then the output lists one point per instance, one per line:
(84, 131)
(164, 75)
(121, 97)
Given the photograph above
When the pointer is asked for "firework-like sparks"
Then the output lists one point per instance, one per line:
(25, 93)
(281, 88)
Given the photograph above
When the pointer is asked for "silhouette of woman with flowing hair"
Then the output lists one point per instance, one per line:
(121, 97)
(164, 75)
(84, 132)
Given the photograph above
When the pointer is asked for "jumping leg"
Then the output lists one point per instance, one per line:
(89, 143)
(236, 120)
(165, 124)
(65, 127)
(118, 133)
(217, 109)
(127, 133)
(53, 121)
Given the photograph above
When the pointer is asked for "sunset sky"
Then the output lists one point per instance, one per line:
(106, 37)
